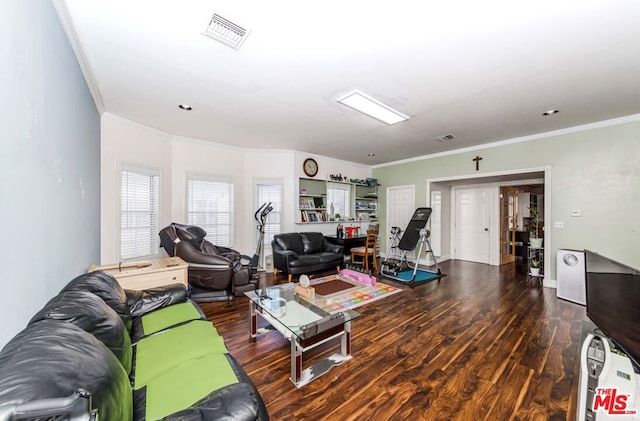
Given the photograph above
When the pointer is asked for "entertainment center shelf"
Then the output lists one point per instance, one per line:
(313, 207)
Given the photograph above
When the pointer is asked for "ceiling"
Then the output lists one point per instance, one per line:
(482, 71)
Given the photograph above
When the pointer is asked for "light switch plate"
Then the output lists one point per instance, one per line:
(576, 212)
(558, 224)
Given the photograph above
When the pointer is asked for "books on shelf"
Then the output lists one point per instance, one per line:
(313, 215)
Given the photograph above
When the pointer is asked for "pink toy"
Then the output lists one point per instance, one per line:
(360, 277)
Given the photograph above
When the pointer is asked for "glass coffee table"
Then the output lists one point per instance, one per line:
(304, 324)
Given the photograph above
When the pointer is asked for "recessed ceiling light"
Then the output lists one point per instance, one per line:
(185, 107)
(550, 112)
(371, 154)
(370, 106)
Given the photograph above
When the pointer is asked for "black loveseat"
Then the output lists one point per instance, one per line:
(127, 355)
(305, 252)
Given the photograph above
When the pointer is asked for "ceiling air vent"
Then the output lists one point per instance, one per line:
(445, 138)
(226, 32)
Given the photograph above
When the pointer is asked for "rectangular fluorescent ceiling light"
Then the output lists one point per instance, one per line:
(362, 102)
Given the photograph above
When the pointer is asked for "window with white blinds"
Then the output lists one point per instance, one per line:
(265, 193)
(339, 196)
(210, 207)
(138, 212)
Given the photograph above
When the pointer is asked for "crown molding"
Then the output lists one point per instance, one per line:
(331, 159)
(560, 132)
(136, 124)
(76, 45)
(153, 130)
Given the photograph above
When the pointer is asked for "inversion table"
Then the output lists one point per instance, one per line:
(402, 271)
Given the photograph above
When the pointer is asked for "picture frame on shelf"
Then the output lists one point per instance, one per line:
(310, 203)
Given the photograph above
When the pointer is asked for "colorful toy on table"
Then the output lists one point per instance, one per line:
(357, 274)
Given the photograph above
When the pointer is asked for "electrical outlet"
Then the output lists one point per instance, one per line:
(558, 224)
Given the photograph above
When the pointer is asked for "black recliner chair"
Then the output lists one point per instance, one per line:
(215, 273)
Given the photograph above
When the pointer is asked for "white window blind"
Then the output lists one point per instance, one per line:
(139, 213)
(210, 207)
(340, 196)
(266, 193)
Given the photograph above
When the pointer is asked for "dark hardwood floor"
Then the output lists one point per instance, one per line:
(480, 344)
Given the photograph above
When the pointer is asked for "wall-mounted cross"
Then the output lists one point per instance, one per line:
(477, 160)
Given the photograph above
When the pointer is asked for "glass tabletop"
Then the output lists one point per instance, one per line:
(296, 314)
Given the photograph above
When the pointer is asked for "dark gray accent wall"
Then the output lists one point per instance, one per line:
(49, 163)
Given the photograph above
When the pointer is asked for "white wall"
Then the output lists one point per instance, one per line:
(327, 166)
(49, 165)
(127, 143)
(124, 141)
(275, 166)
(196, 157)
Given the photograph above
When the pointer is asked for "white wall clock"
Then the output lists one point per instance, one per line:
(310, 167)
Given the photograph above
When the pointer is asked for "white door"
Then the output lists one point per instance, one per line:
(472, 224)
(400, 207)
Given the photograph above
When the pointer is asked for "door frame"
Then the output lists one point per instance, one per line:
(387, 228)
(547, 169)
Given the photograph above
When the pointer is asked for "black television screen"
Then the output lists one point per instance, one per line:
(613, 302)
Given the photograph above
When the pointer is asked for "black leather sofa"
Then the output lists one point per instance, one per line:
(216, 273)
(305, 252)
(125, 355)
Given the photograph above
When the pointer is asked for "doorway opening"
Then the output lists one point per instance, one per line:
(494, 232)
